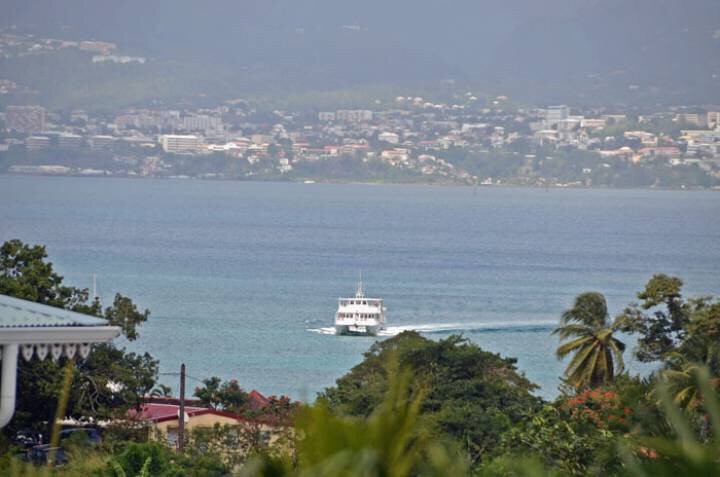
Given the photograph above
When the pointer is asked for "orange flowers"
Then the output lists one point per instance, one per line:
(601, 408)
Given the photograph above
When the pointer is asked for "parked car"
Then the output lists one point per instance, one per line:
(41, 455)
(88, 435)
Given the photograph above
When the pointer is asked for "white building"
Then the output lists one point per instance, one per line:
(589, 123)
(354, 115)
(180, 144)
(389, 137)
(470, 127)
(36, 143)
(567, 125)
(30, 329)
(70, 141)
(101, 142)
(554, 114)
(702, 141)
(713, 119)
(202, 122)
(395, 156)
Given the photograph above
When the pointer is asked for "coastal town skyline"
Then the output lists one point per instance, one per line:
(412, 139)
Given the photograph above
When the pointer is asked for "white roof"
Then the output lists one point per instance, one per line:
(16, 313)
(28, 323)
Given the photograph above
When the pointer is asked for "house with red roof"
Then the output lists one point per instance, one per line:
(162, 415)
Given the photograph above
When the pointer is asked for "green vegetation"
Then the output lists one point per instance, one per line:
(597, 351)
(413, 406)
(24, 273)
(471, 396)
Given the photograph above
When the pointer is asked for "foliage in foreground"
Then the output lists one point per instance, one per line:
(471, 396)
(549, 446)
(392, 441)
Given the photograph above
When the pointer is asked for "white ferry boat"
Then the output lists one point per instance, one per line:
(360, 315)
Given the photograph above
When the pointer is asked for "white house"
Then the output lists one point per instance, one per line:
(32, 329)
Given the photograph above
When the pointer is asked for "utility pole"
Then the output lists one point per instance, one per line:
(181, 411)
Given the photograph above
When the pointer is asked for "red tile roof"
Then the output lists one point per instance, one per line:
(154, 412)
(257, 401)
(160, 409)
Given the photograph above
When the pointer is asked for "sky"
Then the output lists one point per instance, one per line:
(673, 45)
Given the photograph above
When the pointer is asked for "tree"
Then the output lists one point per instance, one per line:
(684, 335)
(469, 395)
(700, 349)
(109, 381)
(157, 460)
(664, 327)
(392, 441)
(25, 274)
(597, 353)
(557, 440)
(228, 396)
(686, 454)
(671, 327)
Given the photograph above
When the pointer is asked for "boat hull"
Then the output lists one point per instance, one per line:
(357, 330)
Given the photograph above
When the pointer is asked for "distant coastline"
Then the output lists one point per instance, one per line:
(320, 181)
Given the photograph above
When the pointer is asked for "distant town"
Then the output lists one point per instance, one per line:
(475, 139)
(414, 141)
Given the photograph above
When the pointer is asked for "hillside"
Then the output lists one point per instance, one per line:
(585, 52)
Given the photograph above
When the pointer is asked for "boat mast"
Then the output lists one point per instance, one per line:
(94, 287)
(360, 292)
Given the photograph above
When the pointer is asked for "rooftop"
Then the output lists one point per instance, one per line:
(16, 313)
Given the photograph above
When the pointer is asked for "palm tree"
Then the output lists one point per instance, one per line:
(597, 353)
(682, 368)
(682, 385)
(161, 390)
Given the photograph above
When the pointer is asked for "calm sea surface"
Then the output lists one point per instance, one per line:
(241, 278)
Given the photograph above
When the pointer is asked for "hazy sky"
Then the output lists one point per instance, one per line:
(653, 43)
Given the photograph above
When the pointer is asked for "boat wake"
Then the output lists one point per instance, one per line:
(430, 328)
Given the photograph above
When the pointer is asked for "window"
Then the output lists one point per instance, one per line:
(172, 435)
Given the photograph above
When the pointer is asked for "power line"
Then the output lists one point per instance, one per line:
(178, 374)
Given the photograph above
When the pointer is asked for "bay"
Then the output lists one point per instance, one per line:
(242, 277)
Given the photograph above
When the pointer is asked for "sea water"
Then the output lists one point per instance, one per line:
(242, 278)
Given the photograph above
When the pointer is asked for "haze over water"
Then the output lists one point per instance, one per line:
(242, 278)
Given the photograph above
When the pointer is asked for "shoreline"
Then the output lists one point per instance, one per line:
(321, 181)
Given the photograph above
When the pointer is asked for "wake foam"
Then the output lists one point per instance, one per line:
(430, 328)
